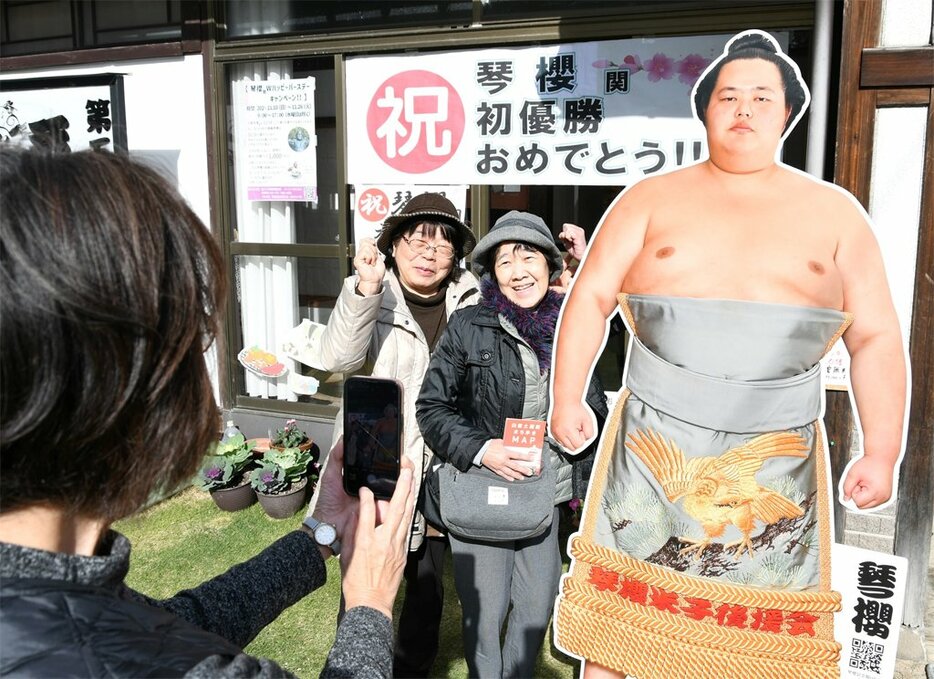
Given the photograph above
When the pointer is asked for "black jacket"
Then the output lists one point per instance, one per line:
(64, 615)
(474, 382)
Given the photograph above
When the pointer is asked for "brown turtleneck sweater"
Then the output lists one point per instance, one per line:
(429, 313)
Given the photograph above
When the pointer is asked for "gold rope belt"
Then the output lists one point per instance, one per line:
(649, 621)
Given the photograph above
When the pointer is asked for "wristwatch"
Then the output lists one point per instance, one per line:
(325, 534)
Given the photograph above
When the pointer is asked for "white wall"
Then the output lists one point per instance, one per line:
(165, 117)
(898, 160)
(906, 23)
(895, 198)
(165, 120)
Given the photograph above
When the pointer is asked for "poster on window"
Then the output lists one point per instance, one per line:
(275, 144)
(374, 202)
(873, 588)
(65, 114)
(599, 113)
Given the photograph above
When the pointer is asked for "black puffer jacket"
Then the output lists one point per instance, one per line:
(474, 382)
(65, 615)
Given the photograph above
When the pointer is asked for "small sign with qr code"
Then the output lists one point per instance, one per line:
(866, 656)
(873, 588)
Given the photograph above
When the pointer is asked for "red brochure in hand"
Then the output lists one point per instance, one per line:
(526, 436)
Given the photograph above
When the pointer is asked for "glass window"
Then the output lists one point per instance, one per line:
(511, 10)
(288, 253)
(36, 26)
(109, 16)
(247, 18)
(122, 23)
(275, 295)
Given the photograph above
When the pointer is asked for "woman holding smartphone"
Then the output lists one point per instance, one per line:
(106, 399)
(389, 315)
(493, 363)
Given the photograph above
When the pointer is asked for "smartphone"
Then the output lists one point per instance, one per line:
(372, 435)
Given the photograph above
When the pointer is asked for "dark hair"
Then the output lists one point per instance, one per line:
(109, 290)
(429, 229)
(753, 46)
(520, 246)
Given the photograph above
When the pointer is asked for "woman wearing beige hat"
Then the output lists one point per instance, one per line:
(390, 315)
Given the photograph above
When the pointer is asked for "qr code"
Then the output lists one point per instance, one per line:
(865, 655)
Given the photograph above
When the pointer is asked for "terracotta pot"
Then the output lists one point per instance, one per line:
(301, 446)
(283, 505)
(235, 498)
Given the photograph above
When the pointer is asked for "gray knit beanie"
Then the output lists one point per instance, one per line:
(520, 227)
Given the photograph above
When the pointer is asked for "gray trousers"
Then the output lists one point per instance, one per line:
(490, 575)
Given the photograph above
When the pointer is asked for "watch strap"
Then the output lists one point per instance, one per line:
(312, 523)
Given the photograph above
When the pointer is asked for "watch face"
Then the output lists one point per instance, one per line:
(325, 534)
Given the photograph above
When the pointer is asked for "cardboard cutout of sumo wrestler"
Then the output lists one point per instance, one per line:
(706, 532)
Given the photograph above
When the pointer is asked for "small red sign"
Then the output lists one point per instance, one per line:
(373, 205)
(415, 121)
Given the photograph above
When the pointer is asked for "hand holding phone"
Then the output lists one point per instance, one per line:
(372, 435)
(376, 551)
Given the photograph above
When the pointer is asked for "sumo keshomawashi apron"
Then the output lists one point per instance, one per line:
(705, 541)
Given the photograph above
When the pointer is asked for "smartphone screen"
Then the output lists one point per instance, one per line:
(372, 435)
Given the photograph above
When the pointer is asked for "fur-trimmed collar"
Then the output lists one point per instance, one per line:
(536, 326)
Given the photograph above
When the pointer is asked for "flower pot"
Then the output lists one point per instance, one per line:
(235, 498)
(301, 446)
(283, 505)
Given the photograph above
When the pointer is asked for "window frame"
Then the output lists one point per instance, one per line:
(782, 15)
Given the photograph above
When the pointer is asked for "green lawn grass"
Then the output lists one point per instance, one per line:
(185, 540)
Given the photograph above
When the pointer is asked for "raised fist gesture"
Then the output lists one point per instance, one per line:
(370, 267)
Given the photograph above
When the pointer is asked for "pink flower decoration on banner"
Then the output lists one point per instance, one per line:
(660, 67)
(690, 68)
(634, 63)
(603, 63)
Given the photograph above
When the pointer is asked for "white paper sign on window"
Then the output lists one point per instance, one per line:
(275, 139)
(598, 113)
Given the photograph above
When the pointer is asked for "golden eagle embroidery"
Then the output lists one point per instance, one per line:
(718, 491)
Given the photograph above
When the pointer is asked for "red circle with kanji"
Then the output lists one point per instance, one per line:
(415, 121)
(373, 205)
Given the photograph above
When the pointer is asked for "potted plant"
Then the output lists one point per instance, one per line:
(290, 436)
(224, 474)
(283, 479)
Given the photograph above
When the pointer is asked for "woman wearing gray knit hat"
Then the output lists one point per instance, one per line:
(390, 315)
(493, 363)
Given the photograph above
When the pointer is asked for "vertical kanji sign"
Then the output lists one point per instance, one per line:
(873, 589)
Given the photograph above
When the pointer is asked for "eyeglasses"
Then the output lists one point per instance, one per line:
(420, 247)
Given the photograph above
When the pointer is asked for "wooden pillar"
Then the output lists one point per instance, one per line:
(916, 484)
(873, 77)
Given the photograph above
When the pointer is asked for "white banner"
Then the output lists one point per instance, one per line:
(374, 202)
(873, 589)
(275, 138)
(598, 113)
